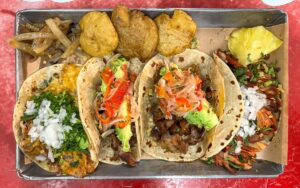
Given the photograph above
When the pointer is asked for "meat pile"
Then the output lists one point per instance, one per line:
(174, 135)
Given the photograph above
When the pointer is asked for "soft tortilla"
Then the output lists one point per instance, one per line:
(207, 68)
(233, 113)
(88, 84)
(28, 90)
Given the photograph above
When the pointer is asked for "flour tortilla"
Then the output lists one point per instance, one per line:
(29, 89)
(88, 84)
(261, 145)
(233, 112)
(207, 68)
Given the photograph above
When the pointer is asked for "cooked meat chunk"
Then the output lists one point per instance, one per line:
(133, 140)
(115, 143)
(157, 113)
(128, 158)
(161, 125)
(174, 143)
(195, 136)
(175, 129)
(184, 127)
(155, 133)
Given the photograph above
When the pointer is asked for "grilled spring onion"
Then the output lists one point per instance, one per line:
(34, 35)
(22, 46)
(71, 49)
(58, 33)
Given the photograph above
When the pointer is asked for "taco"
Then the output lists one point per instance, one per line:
(248, 58)
(47, 126)
(107, 101)
(182, 103)
(261, 91)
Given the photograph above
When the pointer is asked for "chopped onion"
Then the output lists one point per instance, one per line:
(113, 122)
(40, 158)
(58, 33)
(107, 133)
(22, 46)
(39, 45)
(71, 49)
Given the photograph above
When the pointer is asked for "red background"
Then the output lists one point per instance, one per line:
(8, 176)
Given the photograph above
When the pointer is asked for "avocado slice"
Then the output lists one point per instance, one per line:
(204, 118)
(116, 67)
(124, 134)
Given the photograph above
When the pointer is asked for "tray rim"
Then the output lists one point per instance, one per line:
(80, 10)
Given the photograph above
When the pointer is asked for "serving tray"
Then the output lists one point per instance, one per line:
(149, 169)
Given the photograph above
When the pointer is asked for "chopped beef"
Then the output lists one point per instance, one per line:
(169, 123)
(185, 127)
(115, 142)
(175, 135)
(220, 161)
(161, 125)
(128, 158)
(256, 137)
(174, 143)
(116, 145)
(155, 133)
(133, 140)
(196, 134)
(157, 113)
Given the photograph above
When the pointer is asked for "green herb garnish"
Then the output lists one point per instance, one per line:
(246, 141)
(74, 164)
(75, 139)
(163, 71)
(27, 117)
(210, 161)
(234, 165)
(268, 83)
(267, 129)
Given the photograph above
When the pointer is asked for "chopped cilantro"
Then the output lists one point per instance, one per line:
(248, 59)
(83, 144)
(117, 63)
(234, 165)
(240, 71)
(268, 83)
(75, 139)
(163, 71)
(246, 141)
(27, 117)
(210, 161)
(267, 129)
(241, 159)
(74, 164)
(232, 145)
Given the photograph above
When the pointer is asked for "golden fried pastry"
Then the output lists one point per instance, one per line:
(138, 35)
(98, 37)
(176, 33)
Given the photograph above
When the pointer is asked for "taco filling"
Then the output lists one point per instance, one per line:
(51, 129)
(261, 91)
(180, 108)
(115, 111)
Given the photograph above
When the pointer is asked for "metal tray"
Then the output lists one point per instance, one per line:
(208, 18)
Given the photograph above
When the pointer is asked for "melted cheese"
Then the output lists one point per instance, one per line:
(67, 80)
